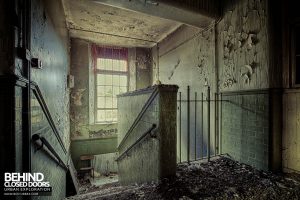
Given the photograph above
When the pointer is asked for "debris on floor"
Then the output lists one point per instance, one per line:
(221, 178)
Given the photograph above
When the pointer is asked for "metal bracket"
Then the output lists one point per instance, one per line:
(23, 53)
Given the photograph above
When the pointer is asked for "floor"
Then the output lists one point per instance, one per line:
(221, 178)
(103, 180)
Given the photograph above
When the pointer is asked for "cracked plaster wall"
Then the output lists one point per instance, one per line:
(189, 62)
(243, 46)
(82, 95)
(234, 55)
(50, 43)
(88, 137)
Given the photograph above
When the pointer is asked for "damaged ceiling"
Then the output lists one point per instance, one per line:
(112, 25)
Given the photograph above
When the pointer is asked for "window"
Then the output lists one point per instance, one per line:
(111, 79)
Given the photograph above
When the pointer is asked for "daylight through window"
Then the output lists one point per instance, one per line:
(111, 80)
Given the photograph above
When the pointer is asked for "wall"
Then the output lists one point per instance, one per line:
(245, 128)
(95, 146)
(233, 55)
(129, 110)
(106, 163)
(50, 43)
(242, 43)
(86, 135)
(187, 58)
(82, 95)
(244, 64)
(291, 96)
(6, 37)
(151, 159)
(291, 140)
(143, 68)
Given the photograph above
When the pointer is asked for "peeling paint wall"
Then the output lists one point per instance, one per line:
(243, 46)
(50, 43)
(243, 60)
(143, 68)
(79, 109)
(233, 55)
(85, 134)
(82, 95)
(187, 58)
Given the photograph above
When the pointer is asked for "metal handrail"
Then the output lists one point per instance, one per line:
(43, 142)
(38, 94)
(148, 132)
(140, 115)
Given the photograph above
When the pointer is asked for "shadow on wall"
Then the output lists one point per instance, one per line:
(245, 129)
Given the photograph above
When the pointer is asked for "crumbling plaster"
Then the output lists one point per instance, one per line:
(50, 43)
(99, 23)
(243, 46)
(231, 55)
(186, 58)
(82, 95)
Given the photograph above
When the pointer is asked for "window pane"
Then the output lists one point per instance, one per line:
(108, 64)
(123, 90)
(108, 115)
(123, 80)
(114, 115)
(100, 79)
(108, 91)
(108, 102)
(116, 91)
(108, 79)
(100, 115)
(100, 63)
(116, 65)
(100, 102)
(100, 90)
(123, 65)
(115, 103)
(116, 80)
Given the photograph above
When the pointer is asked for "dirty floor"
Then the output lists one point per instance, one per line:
(221, 178)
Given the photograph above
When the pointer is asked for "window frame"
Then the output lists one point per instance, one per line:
(108, 72)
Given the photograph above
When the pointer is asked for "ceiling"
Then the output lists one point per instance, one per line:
(115, 26)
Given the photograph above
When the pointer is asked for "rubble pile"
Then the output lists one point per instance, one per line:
(221, 178)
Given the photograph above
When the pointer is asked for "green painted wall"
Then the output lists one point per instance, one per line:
(93, 146)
